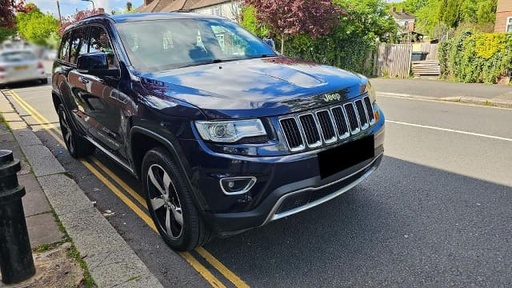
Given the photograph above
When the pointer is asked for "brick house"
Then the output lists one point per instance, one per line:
(230, 9)
(503, 16)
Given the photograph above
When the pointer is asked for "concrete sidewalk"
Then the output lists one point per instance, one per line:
(433, 89)
(51, 194)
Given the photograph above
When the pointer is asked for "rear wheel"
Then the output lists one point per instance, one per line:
(77, 145)
(170, 203)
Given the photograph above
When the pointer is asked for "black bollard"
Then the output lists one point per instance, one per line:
(16, 262)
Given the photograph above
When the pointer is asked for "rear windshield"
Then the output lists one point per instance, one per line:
(16, 56)
(174, 43)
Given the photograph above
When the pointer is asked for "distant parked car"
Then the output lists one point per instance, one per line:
(224, 133)
(20, 65)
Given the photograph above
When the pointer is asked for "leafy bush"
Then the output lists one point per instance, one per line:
(476, 58)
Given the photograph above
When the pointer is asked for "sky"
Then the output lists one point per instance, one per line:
(69, 7)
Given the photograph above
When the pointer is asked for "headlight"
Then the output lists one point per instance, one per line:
(230, 131)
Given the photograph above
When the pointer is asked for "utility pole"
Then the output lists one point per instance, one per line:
(58, 9)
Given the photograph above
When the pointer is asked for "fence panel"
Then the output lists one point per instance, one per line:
(394, 60)
(431, 49)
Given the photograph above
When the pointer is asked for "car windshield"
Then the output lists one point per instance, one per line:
(175, 43)
(16, 56)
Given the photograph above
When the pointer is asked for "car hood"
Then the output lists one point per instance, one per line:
(252, 88)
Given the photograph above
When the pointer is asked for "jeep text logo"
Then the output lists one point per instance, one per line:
(331, 97)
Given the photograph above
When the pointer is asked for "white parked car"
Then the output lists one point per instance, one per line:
(20, 65)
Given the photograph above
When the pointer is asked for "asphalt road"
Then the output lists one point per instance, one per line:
(435, 214)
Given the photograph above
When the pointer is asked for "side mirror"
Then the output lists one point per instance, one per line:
(95, 64)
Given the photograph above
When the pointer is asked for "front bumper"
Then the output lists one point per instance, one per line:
(294, 198)
(285, 185)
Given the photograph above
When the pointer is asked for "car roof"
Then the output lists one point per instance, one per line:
(138, 17)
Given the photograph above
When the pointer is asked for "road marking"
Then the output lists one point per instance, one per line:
(457, 100)
(221, 268)
(203, 271)
(121, 183)
(450, 130)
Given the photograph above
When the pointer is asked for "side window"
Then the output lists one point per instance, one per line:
(100, 42)
(64, 47)
(78, 44)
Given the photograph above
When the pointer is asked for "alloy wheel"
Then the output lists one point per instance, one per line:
(164, 201)
(67, 132)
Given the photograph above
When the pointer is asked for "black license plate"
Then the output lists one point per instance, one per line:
(347, 155)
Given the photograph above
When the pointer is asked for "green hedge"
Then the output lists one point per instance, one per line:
(350, 54)
(476, 58)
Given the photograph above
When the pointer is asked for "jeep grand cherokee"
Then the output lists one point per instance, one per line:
(225, 134)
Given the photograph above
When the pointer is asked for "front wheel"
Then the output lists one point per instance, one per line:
(77, 145)
(170, 203)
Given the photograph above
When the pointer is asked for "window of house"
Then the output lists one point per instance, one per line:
(508, 26)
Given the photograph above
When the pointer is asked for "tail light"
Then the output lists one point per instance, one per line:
(2, 69)
(40, 65)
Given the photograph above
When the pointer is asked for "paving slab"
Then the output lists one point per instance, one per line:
(42, 160)
(34, 201)
(111, 264)
(42, 229)
(26, 137)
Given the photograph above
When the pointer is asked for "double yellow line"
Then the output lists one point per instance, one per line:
(195, 263)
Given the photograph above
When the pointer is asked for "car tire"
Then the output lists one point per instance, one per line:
(44, 81)
(77, 145)
(170, 203)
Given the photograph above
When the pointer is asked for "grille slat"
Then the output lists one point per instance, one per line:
(369, 110)
(362, 114)
(309, 126)
(327, 126)
(339, 122)
(352, 118)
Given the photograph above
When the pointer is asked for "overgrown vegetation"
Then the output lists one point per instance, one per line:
(439, 18)
(476, 57)
(351, 41)
(37, 27)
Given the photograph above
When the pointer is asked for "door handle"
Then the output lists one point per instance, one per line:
(83, 80)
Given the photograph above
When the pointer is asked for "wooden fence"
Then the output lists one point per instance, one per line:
(395, 61)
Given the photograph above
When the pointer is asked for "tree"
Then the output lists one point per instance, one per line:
(451, 14)
(75, 18)
(295, 17)
(36, 27)
(7, 17)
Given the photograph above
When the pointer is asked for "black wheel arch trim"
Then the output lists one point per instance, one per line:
(180, 161)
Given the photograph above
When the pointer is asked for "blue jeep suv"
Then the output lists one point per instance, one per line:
(224, 134)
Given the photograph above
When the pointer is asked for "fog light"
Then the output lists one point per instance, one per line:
(237, 185)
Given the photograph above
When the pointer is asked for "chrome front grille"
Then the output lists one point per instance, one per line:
(327, 125)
